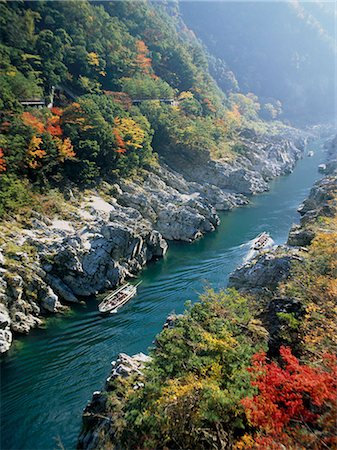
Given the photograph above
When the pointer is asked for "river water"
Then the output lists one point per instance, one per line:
(49, 375)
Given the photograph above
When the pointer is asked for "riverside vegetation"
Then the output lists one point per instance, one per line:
(252, 368)
(135, 145)
(138, 146)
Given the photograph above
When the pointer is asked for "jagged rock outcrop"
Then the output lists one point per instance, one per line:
(262, 275)
(95, 420)
(111, 235)
(262, 158)
(5, 331)
(331, 165)
(320, 203)
(265, 271)
(71, 260)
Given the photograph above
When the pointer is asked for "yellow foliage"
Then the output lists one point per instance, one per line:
(213, 343)
(245, 442)
(131, 133)
(93, 59)
(185, 95)
(177, 389)
(35, 153)
(65, 149)
(233, 119)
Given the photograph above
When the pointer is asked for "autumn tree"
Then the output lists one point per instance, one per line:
(143, 61)
(35, 153)
(295, 403)
(2, 161)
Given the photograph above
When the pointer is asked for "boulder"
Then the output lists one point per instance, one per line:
(5, 332)
(50, 301)
(62, 289)
(299, 236)
(264, 271)
(5, 340)
(127, 365)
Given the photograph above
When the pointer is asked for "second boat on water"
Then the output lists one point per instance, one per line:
(118, 298)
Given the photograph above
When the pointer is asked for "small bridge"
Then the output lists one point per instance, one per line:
(34, 103)
(167, 101)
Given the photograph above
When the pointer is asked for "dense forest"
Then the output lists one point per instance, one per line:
(119, 84)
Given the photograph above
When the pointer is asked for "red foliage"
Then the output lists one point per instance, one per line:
(292, 398)
(3, 166)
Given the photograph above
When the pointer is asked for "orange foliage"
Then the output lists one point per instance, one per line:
(35, 153)
(56, 111)
(142, 59)
(3, 166)
(32, 121)
(53, 126)
(119, 141)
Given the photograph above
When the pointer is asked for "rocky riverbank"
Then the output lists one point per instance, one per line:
(104, 237)
(264, 275)
(261, 278)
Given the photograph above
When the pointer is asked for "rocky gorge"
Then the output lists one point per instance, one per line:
(261, 277)
(108, 235)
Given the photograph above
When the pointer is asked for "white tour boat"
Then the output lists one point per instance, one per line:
(118, 298)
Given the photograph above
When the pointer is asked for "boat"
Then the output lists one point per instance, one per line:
(112, 302)
(261, 241)
(311, 153)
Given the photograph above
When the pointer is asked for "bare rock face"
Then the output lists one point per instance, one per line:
(95, 418)
(320, 203)
(177, 209)
(127, 365)
(98, 249)
(5, 332)
(299, 237)
(319, 199)
(265, 271)
(262, 158)
(50, 302)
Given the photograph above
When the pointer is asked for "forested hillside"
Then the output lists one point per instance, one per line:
(291, 58)
(122, 85)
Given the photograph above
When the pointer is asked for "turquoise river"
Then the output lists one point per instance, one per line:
(49, 375)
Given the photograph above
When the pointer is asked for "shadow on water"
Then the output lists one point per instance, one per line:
(50, 374)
